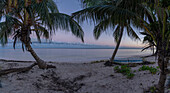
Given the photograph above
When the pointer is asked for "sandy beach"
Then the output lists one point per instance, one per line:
(75, 78)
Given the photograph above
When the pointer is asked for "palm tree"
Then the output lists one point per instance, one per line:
(160, 21)
(150, 43)
(21, 18)
(111, 14)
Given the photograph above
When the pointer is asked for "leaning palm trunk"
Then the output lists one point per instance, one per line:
(25, 38)
(117, 46)
(39, 61)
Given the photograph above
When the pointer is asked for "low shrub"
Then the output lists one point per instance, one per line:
(130, 75)
(125, 70)
(116, 68)
(151, 69)
(158, 67)
(153, 89)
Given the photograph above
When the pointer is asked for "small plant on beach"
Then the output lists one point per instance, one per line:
(125, 70)
(116, 68)
(153, 89)
(130, 75)
(151, 69)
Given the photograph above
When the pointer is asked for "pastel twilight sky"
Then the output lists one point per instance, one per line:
(71, 6)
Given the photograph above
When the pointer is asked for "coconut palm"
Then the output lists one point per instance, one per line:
(159, 30)
(163, 42)
(150, 43)
(21, 18)
(112, 14)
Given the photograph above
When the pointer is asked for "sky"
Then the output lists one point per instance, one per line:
(71, 6)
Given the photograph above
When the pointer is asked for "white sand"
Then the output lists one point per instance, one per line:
(75, 78)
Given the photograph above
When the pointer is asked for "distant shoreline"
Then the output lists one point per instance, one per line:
(65, 45)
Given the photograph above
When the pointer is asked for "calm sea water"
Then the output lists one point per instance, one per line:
(70, 55)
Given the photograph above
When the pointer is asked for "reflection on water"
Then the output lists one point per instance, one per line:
(70, 55)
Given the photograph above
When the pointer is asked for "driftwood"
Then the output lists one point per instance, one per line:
(23, 69)
(12, 70)
(50, 66)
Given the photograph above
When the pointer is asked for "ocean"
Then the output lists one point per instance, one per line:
(69, 55)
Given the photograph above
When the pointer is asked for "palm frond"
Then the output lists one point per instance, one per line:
(102, 27)
(116, 33)
(4, 33)
(65, 22)
(102, 12)
(89, 3)
(147, 47)
(131, 33)
(6, 28)
(41, 31)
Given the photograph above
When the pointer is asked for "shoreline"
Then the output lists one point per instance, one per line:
(29, 61)
(68, 56)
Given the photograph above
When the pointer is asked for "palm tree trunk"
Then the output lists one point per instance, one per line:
(162, 77)
(39, 61)
(117, 46)
(25, 38)
(161, 82)
(162, 54)
(156, 52)
(162, 63)
(163, 74)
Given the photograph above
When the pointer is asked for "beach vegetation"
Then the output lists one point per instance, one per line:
(130, 75)
(151, 89)
(125, 70)
(116, 68)
(151, 69)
